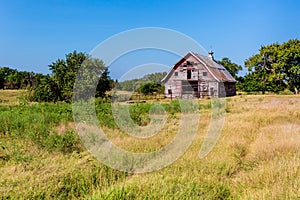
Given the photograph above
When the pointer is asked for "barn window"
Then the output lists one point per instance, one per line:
(189, 74)
(176, 74)
(204, 73)
(169, 91)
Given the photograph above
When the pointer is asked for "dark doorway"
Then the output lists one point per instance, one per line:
(212, 93)
(189, 74)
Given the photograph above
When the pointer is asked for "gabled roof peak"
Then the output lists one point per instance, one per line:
(217, 70)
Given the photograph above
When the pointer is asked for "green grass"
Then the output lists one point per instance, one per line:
(37, 160)
(256, 157)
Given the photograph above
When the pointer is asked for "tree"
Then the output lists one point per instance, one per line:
(64, 74)
(104, 84)
(77, 66)
(92, 79)
(4, 73)
(9, 78)
(27, 79)
(276, 67)
(134, 84)
(233, 68)
(150, 88)
(287, 65)
(15, 79)
(45, 89)
(155, 77)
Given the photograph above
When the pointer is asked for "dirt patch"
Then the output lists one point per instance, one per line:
(63, 127)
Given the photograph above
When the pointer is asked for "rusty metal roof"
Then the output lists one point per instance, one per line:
(217, 70)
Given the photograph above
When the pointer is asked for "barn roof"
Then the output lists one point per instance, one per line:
(217, 70)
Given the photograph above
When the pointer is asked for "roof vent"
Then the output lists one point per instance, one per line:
(210, 53)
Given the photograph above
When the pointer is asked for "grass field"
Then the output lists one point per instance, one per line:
(10, 97)
(256, 157)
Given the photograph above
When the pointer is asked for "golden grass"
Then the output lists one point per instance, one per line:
(256, 157)
(244, 159)
(10, 97)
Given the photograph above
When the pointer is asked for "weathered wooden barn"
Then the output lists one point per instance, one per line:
(198, 76)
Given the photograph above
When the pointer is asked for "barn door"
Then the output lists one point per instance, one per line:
(203, 89)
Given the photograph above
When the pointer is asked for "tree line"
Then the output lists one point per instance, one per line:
(275, 68)
(148, 84)
(58, 86)
(14, 79)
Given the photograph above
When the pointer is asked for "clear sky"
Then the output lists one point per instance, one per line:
(35, 33)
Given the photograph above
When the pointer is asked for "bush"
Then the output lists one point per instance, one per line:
(286, 92)
(150, 88)
(66, 143)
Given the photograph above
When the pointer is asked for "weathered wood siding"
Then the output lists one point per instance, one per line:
(230, 88)
(197, 72)
(198, 76)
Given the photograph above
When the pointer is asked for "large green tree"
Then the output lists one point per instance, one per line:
(276, 67)
(59, 86)
(233, 68)
(64, 74)
(287, 65)
(45, 89)
(92, 79)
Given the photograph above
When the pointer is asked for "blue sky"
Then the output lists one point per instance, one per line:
(35, 33)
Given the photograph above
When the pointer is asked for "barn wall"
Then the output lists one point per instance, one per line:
(213, 88)
(230, 88)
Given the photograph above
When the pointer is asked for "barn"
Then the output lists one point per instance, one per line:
(198, 76)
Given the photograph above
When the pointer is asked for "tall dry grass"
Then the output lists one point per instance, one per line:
(256, 157)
